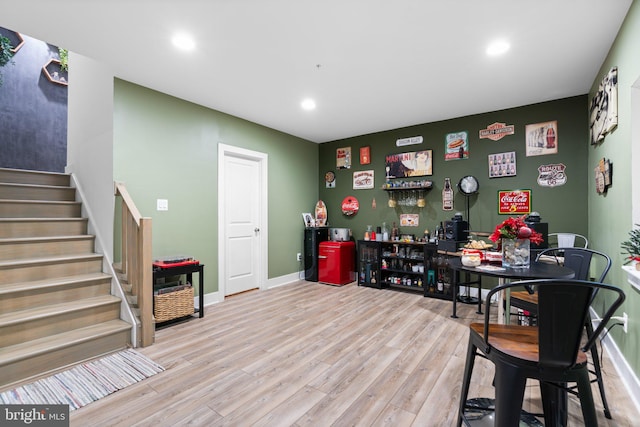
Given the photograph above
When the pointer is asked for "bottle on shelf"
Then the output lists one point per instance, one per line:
(385, 232)
(447, 195)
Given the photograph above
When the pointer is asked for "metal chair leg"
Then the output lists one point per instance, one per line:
(598, 371)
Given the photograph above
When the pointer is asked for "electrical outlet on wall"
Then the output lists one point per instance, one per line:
(299, 257)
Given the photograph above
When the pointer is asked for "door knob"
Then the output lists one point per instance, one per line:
(257, 230)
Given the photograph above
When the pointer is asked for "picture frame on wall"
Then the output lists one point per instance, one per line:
(414, 163)
(542, 138)
(502, 164)
(365, 155)
(343, 158)
(363, 180)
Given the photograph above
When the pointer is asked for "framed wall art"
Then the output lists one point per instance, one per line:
(502, 164)
(363, 180)
(542, 138)
(343, 158)
(403, 165)
(365, 155)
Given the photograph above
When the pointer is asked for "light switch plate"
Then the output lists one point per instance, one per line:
(162, 204)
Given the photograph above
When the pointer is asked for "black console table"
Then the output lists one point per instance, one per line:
(187, 270)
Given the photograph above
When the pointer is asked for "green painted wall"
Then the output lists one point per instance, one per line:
(167, 148)
(563, 207)
(610, 215)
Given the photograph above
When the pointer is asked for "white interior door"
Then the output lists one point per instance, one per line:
(242, 209)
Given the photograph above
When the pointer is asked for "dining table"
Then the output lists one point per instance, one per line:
(536, 270)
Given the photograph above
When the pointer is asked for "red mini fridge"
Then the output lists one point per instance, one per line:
(336, 262)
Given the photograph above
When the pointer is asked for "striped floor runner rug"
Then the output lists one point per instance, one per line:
(87, 382)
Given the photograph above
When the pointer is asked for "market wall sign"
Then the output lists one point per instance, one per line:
(497, 131)
(516, 202)
(552, 175)
(409, 141)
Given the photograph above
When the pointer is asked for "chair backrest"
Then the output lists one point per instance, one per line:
(570, 240)
(580, 260)
(562, 311)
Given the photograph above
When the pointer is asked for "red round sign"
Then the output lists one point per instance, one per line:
(350, 206)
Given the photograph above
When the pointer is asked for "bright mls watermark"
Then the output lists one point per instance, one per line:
(34, 415)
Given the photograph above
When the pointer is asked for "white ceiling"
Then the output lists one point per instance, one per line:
(371, 65)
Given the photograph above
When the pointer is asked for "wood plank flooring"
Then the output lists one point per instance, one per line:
(307, 354)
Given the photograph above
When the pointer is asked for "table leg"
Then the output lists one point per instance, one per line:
(201, 292)
(455, 293)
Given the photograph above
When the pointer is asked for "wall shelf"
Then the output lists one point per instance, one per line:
(15, 38)
(54, 73)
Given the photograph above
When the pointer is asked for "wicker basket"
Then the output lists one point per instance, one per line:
(173, 305)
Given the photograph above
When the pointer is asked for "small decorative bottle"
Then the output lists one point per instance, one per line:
(447, 195)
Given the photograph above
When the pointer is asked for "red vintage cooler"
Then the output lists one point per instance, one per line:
(336, 262)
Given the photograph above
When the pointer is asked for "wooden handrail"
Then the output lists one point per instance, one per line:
(136, 260)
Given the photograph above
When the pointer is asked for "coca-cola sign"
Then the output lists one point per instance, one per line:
(350, 206)
(514, 202)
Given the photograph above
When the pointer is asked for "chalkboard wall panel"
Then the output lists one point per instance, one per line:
(33, 112)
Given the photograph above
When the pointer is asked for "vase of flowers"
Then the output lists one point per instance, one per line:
(631, 247)
(515, 238)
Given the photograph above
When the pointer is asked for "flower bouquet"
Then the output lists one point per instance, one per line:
(515, 238)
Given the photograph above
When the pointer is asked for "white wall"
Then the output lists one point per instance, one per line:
(90, 142)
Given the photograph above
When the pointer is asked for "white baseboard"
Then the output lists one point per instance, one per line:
(622, 367)
(217, 297)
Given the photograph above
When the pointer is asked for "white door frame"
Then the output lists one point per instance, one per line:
(225, 151)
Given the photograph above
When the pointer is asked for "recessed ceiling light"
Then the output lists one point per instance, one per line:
(497, 47)
(308, 104)
(183, 41)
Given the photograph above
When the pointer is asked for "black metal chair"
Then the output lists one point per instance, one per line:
(549, 352)
(579, 260)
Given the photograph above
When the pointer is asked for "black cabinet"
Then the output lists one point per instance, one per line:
(369, 264)
(413, 266)
(313, 236)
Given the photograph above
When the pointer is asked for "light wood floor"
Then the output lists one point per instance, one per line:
(313, 354)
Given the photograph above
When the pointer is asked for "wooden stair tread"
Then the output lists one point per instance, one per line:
(41, 202)
(48, 344)
(10, 240)
(41, 219)
(29, 314)
(49, 283)
(32, 185)
(49, 260)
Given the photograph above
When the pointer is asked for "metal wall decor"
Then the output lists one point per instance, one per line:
(604, 107)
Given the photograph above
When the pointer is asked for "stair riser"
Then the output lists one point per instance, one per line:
(18, 192)
(40, 297)
(40, 210)
(29, 367)
(28, 273)
(38, 178)
(24, 250)
(57, 323)
(16, 229)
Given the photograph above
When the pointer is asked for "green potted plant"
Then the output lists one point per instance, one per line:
(631, 247)
(64, 59)
(6, 54)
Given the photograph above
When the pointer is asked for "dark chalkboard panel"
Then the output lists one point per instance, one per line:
(33, 111)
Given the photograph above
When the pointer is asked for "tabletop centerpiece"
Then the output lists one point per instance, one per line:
(515, 238)
(631, 247)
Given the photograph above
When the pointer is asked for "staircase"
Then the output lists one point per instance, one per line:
(56, 307)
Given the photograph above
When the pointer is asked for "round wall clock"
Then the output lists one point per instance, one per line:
(468, 185)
